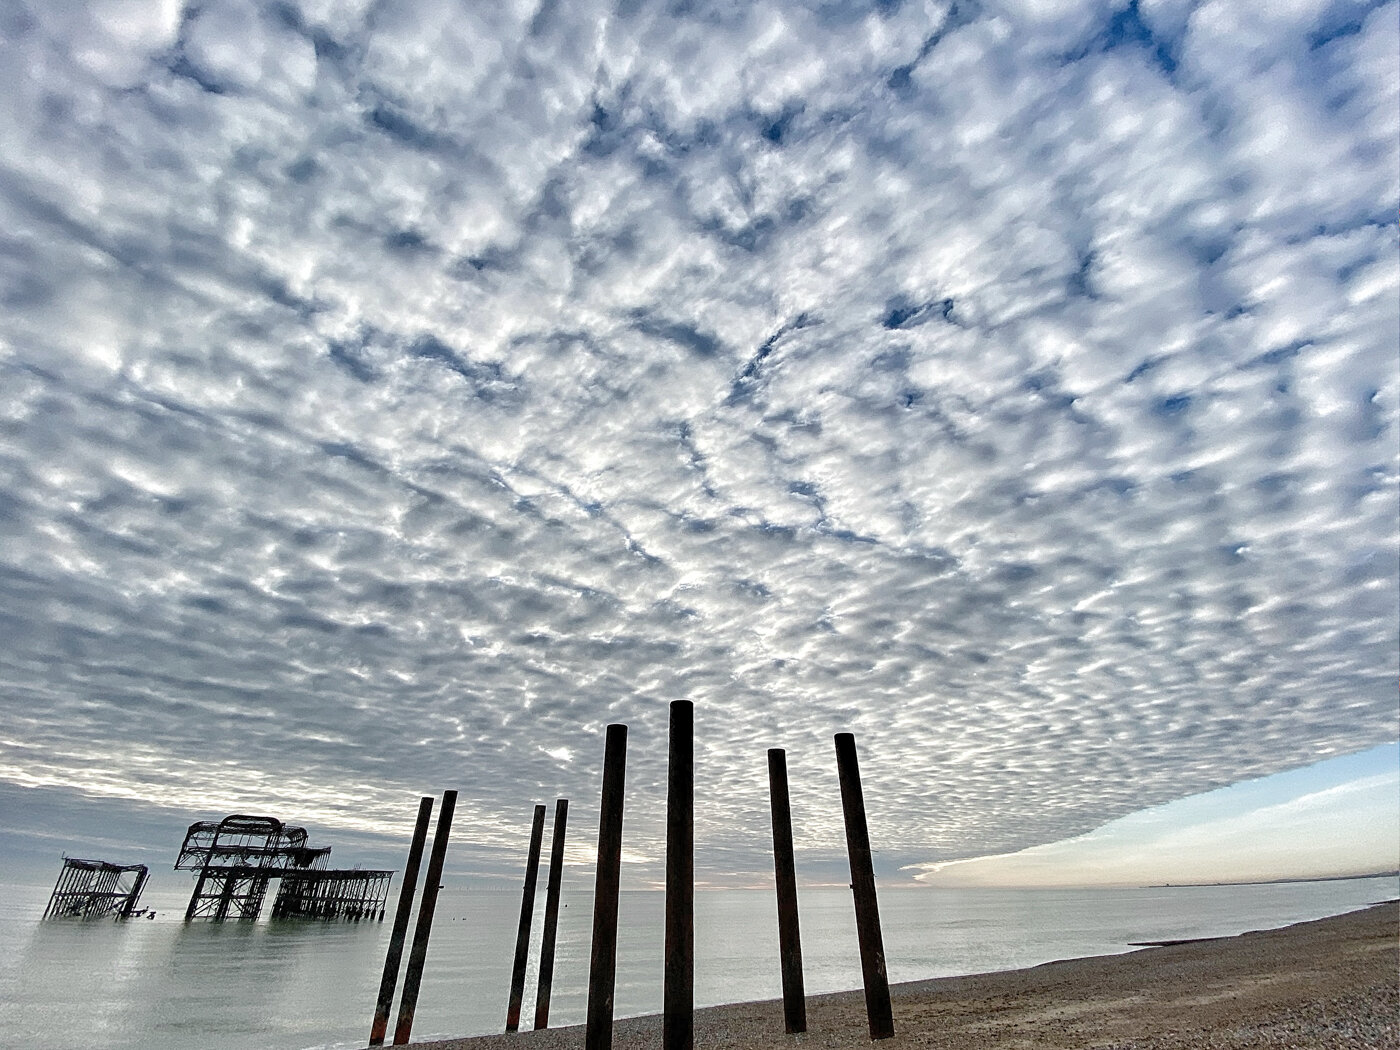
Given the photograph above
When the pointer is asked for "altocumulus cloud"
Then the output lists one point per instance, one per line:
(393, 395)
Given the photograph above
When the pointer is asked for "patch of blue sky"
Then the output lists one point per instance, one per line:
(1336, 817)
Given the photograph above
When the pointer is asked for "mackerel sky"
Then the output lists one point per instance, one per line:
(394, 394)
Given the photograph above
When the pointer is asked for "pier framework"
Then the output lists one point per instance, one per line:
(95, 889)
(236, 858)
(335, 894)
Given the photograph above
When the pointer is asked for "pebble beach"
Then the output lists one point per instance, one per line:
(1330, 984)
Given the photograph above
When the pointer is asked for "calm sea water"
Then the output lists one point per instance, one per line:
(164, 985)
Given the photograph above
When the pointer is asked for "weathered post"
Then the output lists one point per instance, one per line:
(872, 948)
(522, 935)
(789, 940)
(551, 913)
(394, 956)
(129, 905)
(678, 996)
(418, 955)
(602, 963)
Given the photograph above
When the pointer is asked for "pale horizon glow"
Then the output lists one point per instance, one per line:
(1336, 818)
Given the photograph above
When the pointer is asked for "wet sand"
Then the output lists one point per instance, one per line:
(1326, 985)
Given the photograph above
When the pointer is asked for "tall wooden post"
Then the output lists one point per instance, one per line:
(522, 934)
(872, 946)
(394, 956)
(789, 939)
(602, 964)
(678, 995)
(418, 955)
(551, 913)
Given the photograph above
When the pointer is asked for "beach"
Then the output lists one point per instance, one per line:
(1330, 984)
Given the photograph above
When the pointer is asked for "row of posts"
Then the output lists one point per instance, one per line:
(678, 978)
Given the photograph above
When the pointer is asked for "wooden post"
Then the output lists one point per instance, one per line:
(390, 980)
(602, 964)
(522, 935)
(418, 955)
(551, 913)
(678, 991)
(789, 939)
(872, 947)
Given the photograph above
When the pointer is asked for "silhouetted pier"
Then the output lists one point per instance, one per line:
(96, 889)
(347, 894)
(236, 858)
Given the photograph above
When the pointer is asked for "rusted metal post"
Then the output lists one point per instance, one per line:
(551, 913)
(678, 997)
(129, 905)
(602, 963)
(872, 946)
(522, 934)
(789, 940)
(418, 955)
(394, 956)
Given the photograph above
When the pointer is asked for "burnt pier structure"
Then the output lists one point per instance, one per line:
(96, 889)
(235, 859)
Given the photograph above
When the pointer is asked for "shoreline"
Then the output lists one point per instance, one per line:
(1328, 984)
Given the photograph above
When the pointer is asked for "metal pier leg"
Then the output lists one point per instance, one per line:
(872, 947)
(418, 955)
(789, 939)
(551, 913)
(522, 934)
(602, 965)
(678, 994)
(390, 980)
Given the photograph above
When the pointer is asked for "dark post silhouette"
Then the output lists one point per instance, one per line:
(390, 980)
(418, 955)
(522, 935)
(678, 996)
(602, 964)
(789, 940)
(551, 913)
(872, 947)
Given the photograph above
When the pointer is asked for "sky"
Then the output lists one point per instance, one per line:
(392, 395)
(1338, 815)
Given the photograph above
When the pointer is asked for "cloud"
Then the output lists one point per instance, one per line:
(106, 43)
(393, 398)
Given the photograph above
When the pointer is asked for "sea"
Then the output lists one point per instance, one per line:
(164, 984)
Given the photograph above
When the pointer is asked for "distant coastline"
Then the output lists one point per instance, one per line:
(1392, 874)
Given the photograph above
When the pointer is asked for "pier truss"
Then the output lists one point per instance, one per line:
(95, 889)
(334, 894)
(234, 859)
